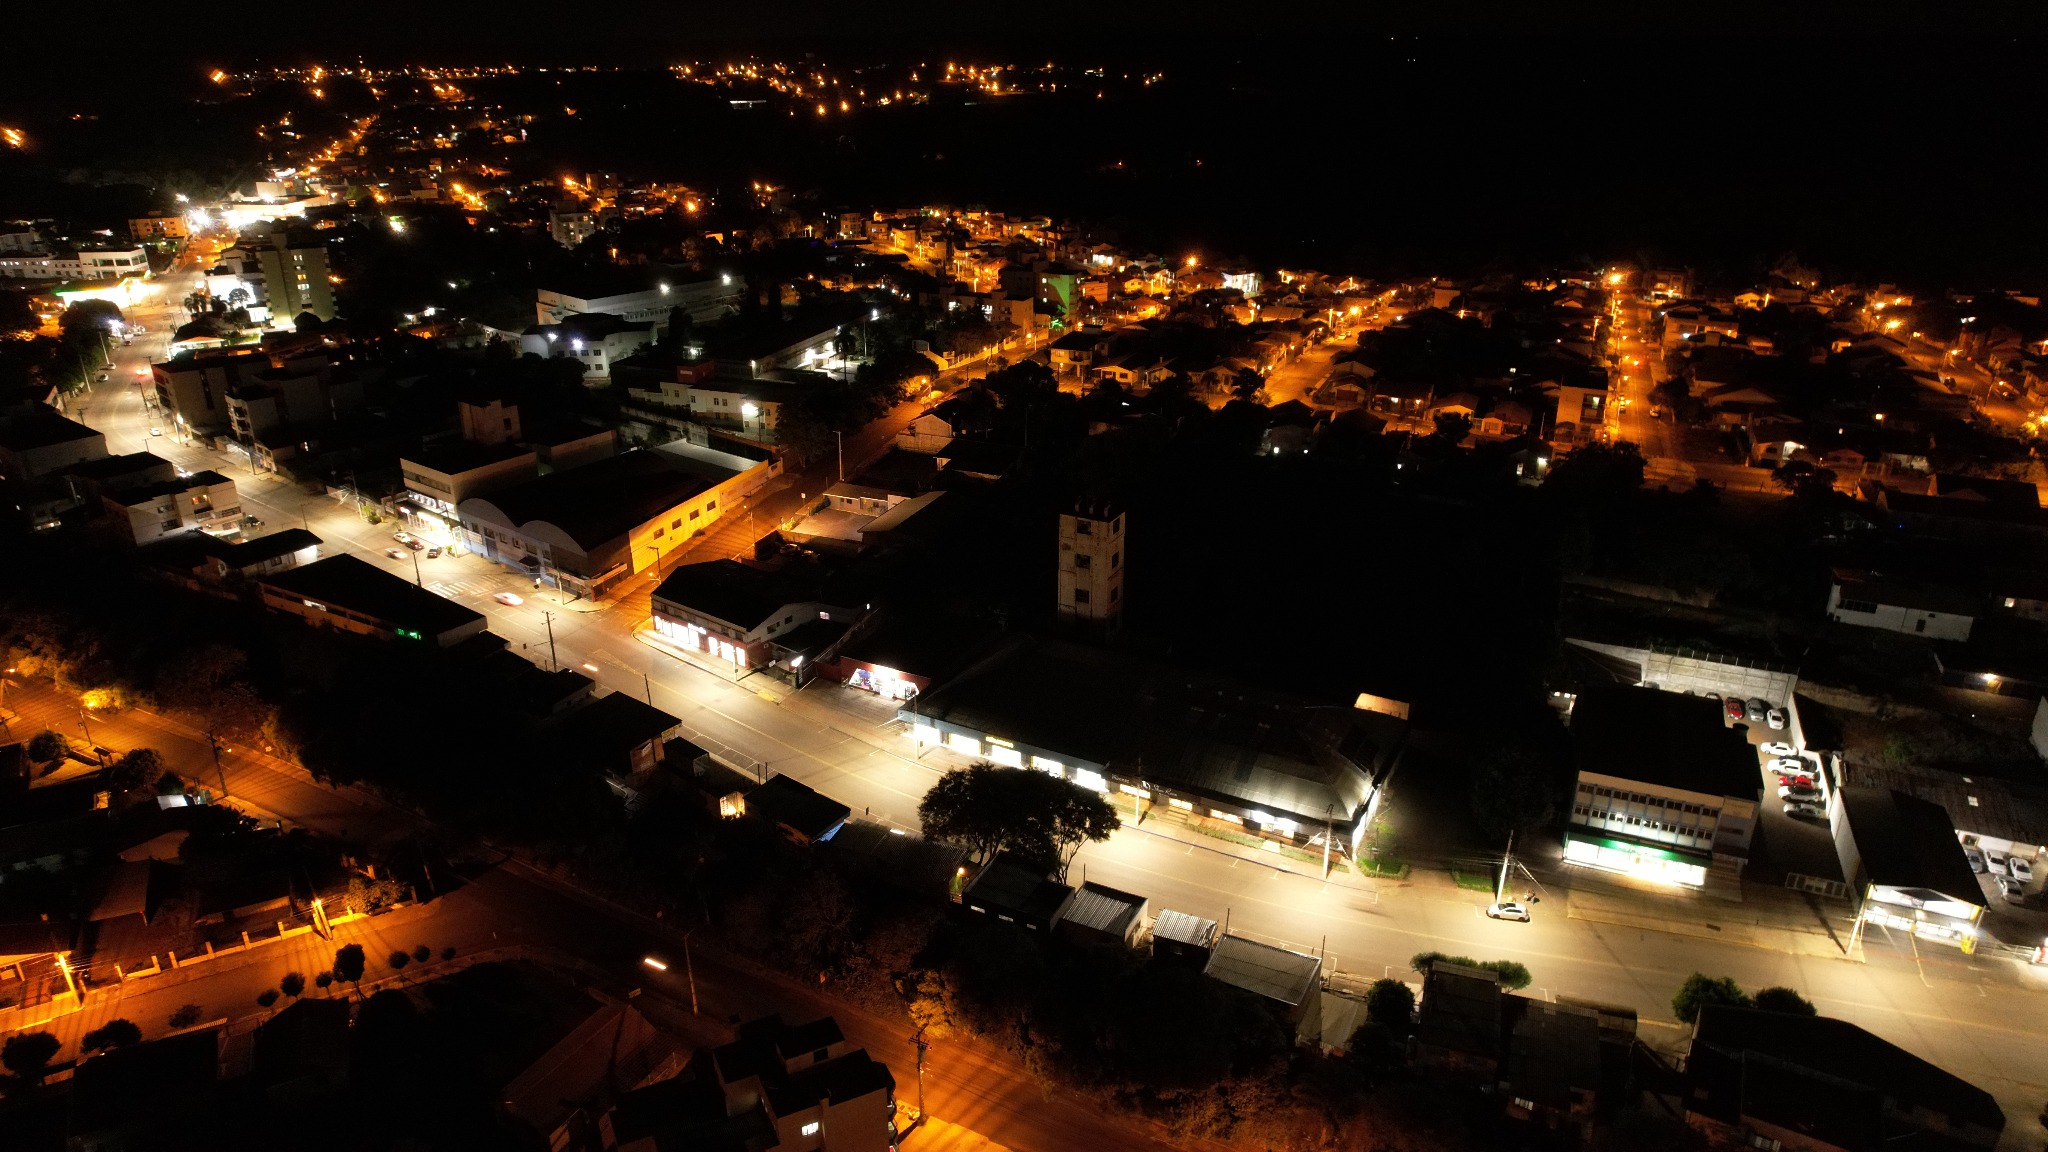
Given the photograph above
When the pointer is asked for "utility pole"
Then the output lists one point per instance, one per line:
(415, 562)
(1506, 862)
(648, 686)
(690, 970)
(213, 742)
(87, 729)
(548, 618)
(922, 1047)
(839, 439)
(1329, 833)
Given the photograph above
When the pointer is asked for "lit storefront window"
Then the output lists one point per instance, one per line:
(963, 744)
(1089, 778)
(1046, 765)
(925, 735)
(1635, 860)
(1007, 757)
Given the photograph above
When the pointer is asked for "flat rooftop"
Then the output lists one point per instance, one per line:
(359, 586)
(1666, 738)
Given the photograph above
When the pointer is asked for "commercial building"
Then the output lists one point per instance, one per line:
(351, 595)
(596, 342)
(1171, 744)
(585, 529)
(641, 294)
(748, 616)
(158, 227)
(748, 404)
(287, 391)
(1905, 865)
(1780, 1080)
(202, 502)
(82, 264)
(442, 476)
(1666, 790)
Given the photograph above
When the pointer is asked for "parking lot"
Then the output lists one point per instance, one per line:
(1785, 844)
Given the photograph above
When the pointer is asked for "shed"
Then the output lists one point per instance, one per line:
(1099, 914)
(1017, 895)
(1284, 977)
(1184, 938)
(804, 814)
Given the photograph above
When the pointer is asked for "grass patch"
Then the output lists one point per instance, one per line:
(1476, 881)
(1385, 868)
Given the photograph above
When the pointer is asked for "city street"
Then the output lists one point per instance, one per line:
(1970, 1015)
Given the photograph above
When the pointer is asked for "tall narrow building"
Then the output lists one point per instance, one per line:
(1091, 587)
(295, 276)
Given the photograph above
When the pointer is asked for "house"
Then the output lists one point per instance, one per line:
(1553, 1071)
(1665, 790)
(746, 616)
(560, 1095)
(1076, 354)
(304, 1049)
(1458, 1024)
(1289, 980)
(202, 502)
(1016, 894)
(805, 815)
(1961, 516)
(1779, 1080)
(1099, 914)
(442, 476)
(793, 1088)
(42, 442)
(618, 734)
(1905, 865)
(1872, 600)
(351, 595)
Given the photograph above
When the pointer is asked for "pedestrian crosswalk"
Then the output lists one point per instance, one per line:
(470, 586)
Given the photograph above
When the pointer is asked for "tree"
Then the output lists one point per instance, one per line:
(1784, 1000)
(322, 980)
(1700, 990)
(1803, 479)
(422, 954)
(47, 746)
(1390, 1004)
(1452, 428)
(267, 997)
(28, 1055)
(399, 959)
(16, 315)
(137, 768)
(292, 984)
(186, 1016)
(113, 1034)
(1246, 384)
(348, 964)
(1034, 814)
(1514, 791)
(87, 321)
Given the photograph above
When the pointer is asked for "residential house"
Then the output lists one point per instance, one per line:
(1817, 1084)
(1873, 600)
(792, 1088)
(802, 813)
(1458, 1024)
(204, 501)
(618, 733)
(561, 1096)
(1016, 894)
(596, 341)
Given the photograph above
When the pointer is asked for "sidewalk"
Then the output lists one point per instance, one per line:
(1792, 923)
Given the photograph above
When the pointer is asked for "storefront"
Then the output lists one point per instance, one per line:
(1663, 863)
(887, 683)
(699, 639)
(1923, 913)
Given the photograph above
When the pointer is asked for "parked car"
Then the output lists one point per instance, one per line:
(1776, 748)
(1508, 910)
(1805, 810)
(253, 520)
(1996, 863)
(2022, 870)
(1711, 695)
(1791, 764)
(2012, 891)
(433, 553)
(1803, 783)
(1756, 708)
(1775, 718)
(156, 431)
(1975, 858)
(402, 537)
(1795, 792)
(1734, 708)
(413, 544)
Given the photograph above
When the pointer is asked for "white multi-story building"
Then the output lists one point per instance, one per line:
(704, 300)
(85, 264)
(1091, 584)
(203, 501)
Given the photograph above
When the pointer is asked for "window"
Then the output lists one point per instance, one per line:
(693, 513)
(659, 531)
(1080, 595)
(676, 523)
(1115, 558)
(1227, 818)
(1083, 528)
(811, 1129)
(1863, 606)
(711, 507)
(1083, 560)
(1115, 594)
(1116, 526)
(1183, 805)
(1920, 625)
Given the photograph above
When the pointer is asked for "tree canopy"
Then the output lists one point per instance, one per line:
(1700, 990)
(988, 809)
(1784, 1000)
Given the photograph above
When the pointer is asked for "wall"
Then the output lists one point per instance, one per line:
(1893, 618)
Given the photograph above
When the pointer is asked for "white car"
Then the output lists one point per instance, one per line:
(1789, 764)
(156, 431)
(1805, 809)
(1775, 718)
(1777, 748)
(2021, 870)
(1508, 910)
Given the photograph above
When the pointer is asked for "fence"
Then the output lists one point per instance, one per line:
(1817, 886)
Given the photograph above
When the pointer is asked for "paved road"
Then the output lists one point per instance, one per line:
(1957, 1011)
